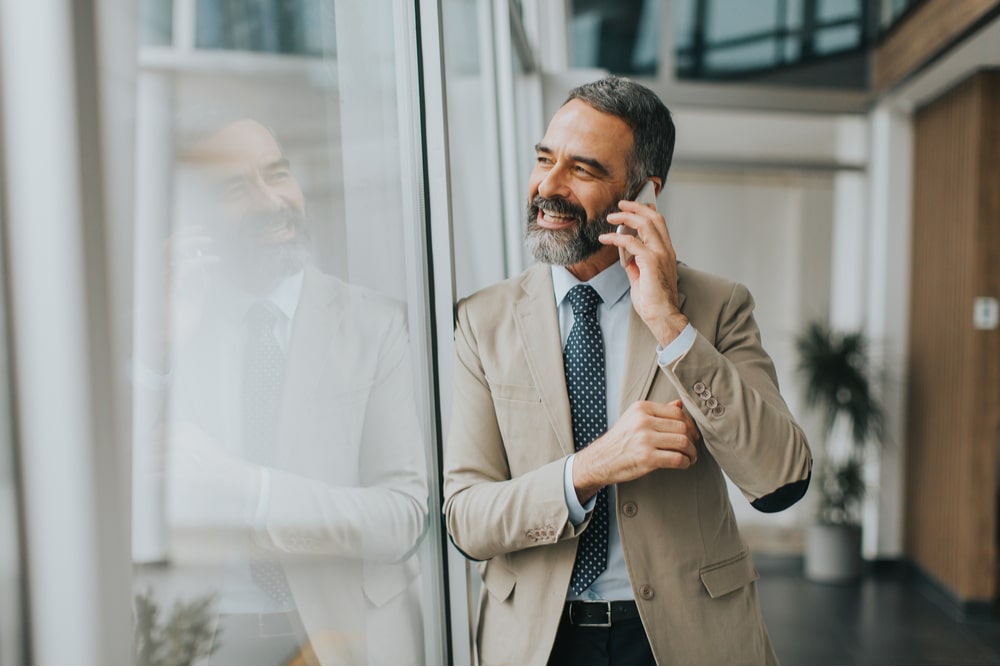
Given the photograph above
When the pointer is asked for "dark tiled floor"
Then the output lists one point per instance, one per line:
(885, 619)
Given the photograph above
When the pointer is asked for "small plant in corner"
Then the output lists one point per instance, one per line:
(837, 373)
(183, 638)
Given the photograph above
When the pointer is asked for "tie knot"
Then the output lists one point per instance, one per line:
(584, 300)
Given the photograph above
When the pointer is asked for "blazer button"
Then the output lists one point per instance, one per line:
(705, 395)
(712, 403)
(646, 592)
(718, 411)
(630, 509)
(699, 387)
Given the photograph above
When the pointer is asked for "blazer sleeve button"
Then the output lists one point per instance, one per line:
(712, 403)
(718, 411)
(699, 387)
(646, 592)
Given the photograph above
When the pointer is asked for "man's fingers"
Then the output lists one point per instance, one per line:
(675, 458)
(651, 225)
(670, 418)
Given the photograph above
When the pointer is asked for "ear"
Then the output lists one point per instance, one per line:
(658, 183)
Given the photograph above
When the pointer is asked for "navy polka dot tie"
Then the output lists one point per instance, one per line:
(263, 380)
(584, 362)
(263, 385)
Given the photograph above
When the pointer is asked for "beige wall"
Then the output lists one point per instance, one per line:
(954, 390)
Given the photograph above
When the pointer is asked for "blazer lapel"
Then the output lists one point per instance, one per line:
(317, 319)
(538, 324)
(641, 363)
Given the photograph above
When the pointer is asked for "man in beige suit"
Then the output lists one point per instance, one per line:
(674, 355)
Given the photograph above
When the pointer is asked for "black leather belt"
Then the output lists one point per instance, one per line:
(600, 613)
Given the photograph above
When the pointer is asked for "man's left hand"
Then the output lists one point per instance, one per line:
(652, 271)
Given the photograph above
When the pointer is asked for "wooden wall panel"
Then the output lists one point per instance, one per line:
(953, 402)
(931, 27)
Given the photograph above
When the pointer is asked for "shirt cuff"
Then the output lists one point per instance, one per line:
(678, 347)
(577, 512)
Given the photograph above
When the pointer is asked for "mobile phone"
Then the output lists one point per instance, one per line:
(647, 196)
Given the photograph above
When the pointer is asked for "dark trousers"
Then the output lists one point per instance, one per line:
(624, 643)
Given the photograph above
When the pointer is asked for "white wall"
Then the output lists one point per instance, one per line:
(770, 231)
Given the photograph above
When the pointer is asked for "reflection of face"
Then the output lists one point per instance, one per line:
(580, 175)
(259, 224)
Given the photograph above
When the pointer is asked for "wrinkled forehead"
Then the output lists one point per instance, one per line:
(579, 129)
(240, 146)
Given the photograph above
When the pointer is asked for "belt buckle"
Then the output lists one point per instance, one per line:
(606, 624)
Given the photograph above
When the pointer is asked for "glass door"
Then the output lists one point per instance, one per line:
(285, 446)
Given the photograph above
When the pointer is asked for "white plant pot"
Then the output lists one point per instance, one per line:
(833, 553)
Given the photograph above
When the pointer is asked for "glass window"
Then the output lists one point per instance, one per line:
(727, 38)
(836, 40)
(833, 10)
(156, 22)
(731, 19)
(741, 58)
(621, 36)
(299, 27)
(285, 506)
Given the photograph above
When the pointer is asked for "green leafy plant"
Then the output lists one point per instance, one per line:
(841, 487)
(184, 637)
(837, 372)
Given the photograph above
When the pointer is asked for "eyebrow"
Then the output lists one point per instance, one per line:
(269, 167)
(278, 164)
(589, 161)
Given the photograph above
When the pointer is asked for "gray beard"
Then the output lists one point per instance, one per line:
(259, 270)
(565, 247)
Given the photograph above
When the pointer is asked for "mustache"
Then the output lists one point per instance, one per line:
(556, 205)
(258, 223)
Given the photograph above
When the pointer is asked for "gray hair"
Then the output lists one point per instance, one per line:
(652, 127)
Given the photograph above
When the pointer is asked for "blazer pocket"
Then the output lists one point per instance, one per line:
(498, 580)
(729, 575)
(516, 392)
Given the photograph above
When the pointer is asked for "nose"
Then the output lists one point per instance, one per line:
(554, 183)
(268, 198)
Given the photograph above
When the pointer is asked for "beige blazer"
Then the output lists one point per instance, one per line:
(511, 432)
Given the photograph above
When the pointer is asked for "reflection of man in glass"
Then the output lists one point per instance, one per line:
(296, 480)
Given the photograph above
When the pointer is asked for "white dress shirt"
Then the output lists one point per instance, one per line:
(613, 315)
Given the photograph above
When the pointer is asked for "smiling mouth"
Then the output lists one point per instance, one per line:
(278, 231)
(551, 220)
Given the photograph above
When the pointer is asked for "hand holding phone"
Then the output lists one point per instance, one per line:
(647, 196)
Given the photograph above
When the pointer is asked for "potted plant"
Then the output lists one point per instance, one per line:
(836, 369)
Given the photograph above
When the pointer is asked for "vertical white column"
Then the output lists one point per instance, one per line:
(78, 579)
(887, 317)
(153, 205)
(850, 268)
(512, 189)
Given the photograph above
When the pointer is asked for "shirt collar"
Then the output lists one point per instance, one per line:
(611, 283)
(286, 294)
